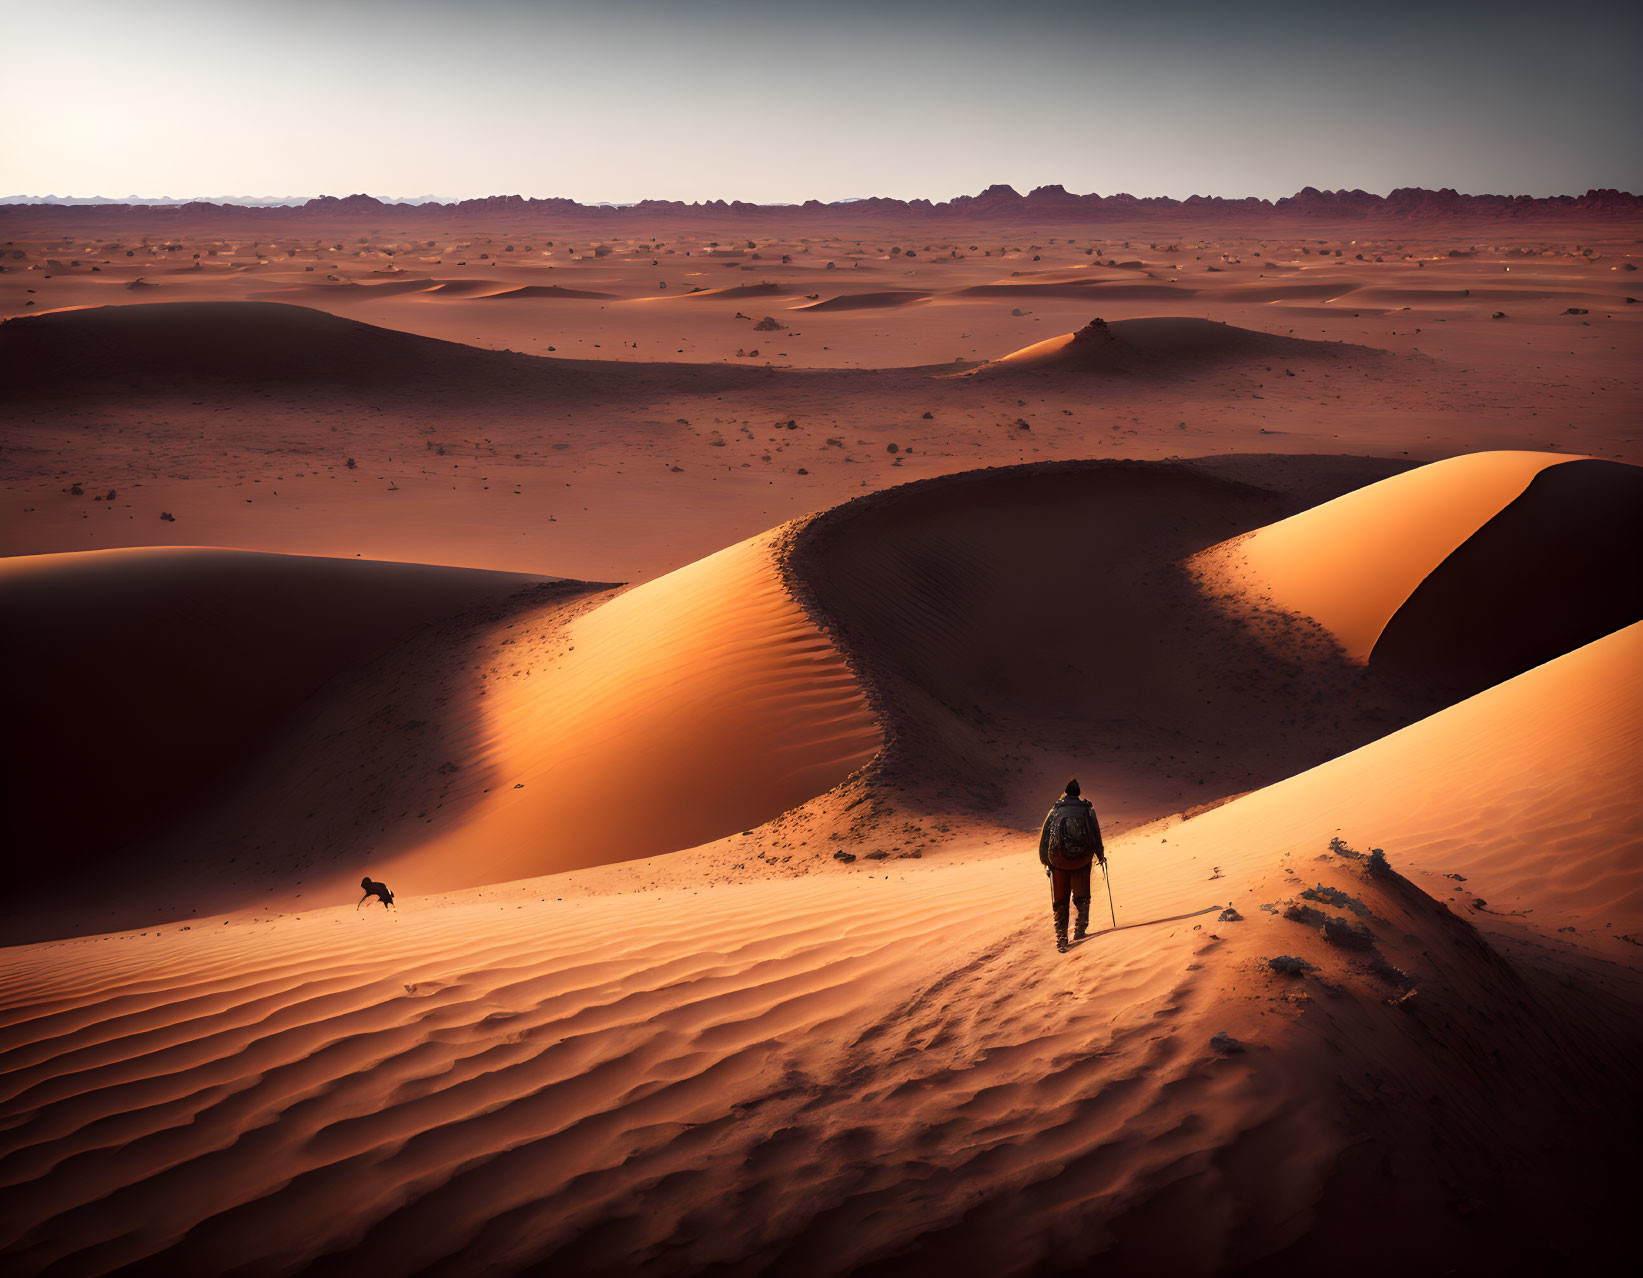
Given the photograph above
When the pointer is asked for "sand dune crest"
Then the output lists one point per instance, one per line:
(1351, 563)
(1558, 567)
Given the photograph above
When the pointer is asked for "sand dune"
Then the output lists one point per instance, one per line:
(172, 346)
(250, 349)
(730, 293)
(1081, 289)
(1349, 564)
(867, 301)
(882, 1063)
(1119, 291)
(527, 291)
(1282, 291)
(1187, 343)
(350, 290)
(1423, 296)
(1162, 344)
(1559, 566)
(1094, 348)
(155, 674)
(463, 288)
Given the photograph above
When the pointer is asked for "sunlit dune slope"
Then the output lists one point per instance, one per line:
(1559, 566)
(1352, 563)
(1163, 344)
(687, 708)
(892, 1068)
(1529, 789)
(142, 679)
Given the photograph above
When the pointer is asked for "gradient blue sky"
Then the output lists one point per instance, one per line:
(777, 101)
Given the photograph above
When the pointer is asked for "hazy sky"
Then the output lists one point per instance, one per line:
(778, 101)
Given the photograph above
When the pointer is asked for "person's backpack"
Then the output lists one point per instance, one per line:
(1070, 832)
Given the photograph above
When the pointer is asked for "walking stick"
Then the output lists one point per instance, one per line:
(1109, 894)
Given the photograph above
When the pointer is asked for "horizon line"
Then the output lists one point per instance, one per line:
(1001, 191)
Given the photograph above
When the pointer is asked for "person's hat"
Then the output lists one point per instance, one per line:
(1072, 787)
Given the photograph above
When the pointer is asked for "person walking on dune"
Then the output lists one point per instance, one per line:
(1069, 845)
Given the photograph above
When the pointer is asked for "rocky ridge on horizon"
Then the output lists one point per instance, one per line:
(996, 203)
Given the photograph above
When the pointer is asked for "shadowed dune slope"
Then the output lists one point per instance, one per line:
(350, 290)
(464, 288)
(728, 293)
(1162, 344)
(175, 345)
(258, 349)
(152, 675)
(1276, 292)
(1091, 289)
(1350, 563)
(995, 612)
(1560, 566)
(884, 1065)
(866, 301)
(527, 291)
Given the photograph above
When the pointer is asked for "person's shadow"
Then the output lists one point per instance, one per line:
(1125, 927)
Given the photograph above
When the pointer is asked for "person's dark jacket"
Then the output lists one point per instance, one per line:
(1069, 809)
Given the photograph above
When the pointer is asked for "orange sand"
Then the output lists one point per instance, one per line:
(892, 1068)
(1454, 379)
(687, 708)
(721, 943)
(1350, 563)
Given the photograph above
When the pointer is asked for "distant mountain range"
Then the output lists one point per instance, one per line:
(170, 201)
(995, 204)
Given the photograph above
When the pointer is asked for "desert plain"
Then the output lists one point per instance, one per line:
(692, 621)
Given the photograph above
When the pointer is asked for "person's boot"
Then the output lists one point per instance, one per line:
(1060, 909)
(1081, 928)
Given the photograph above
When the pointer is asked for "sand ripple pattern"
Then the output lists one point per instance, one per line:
(693, 706)
(871, 1071)
(508, 1081)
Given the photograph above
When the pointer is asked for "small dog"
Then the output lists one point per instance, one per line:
(378, 890)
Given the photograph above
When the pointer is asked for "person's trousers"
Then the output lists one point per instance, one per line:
(1074, 884)
(1070, 883)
